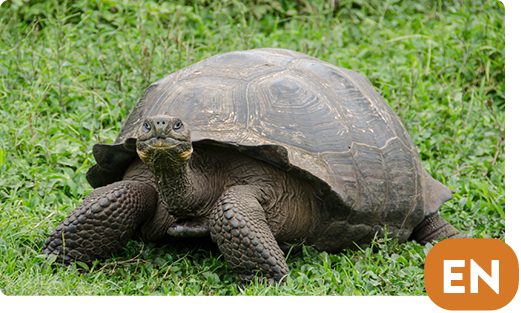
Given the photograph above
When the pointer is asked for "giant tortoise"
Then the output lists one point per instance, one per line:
(262, 150)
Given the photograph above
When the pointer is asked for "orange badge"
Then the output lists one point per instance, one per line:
(471, 274)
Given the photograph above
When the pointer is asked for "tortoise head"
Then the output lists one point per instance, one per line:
(164, 138)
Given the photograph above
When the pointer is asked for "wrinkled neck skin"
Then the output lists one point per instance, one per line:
(175, 182)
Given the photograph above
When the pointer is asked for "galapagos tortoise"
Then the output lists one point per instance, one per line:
(261, 150)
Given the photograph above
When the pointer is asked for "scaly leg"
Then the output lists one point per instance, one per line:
(433, 228)
(238, 226)
(103, 223)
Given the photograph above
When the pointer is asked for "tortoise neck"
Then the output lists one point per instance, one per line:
(175, 186)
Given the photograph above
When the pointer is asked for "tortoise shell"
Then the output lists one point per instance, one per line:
(321, 122)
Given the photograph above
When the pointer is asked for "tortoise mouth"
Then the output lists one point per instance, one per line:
(162, 142)
(161, 148)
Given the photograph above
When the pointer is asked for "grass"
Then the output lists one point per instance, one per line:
(72, 70)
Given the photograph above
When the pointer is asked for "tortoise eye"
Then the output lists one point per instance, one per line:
(146, 127)
(178, 125)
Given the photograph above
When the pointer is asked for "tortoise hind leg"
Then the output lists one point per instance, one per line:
(433, 228)
(103, 223)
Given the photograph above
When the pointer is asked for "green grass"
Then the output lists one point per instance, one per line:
(71, 71)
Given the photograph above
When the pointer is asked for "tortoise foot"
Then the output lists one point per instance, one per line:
(434, 228)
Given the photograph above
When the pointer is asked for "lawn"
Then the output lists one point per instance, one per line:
(71, 71)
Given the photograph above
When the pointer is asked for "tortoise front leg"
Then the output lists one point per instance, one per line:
(238, 226)
(103, 223)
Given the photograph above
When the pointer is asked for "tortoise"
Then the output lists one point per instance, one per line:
(262, 150)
